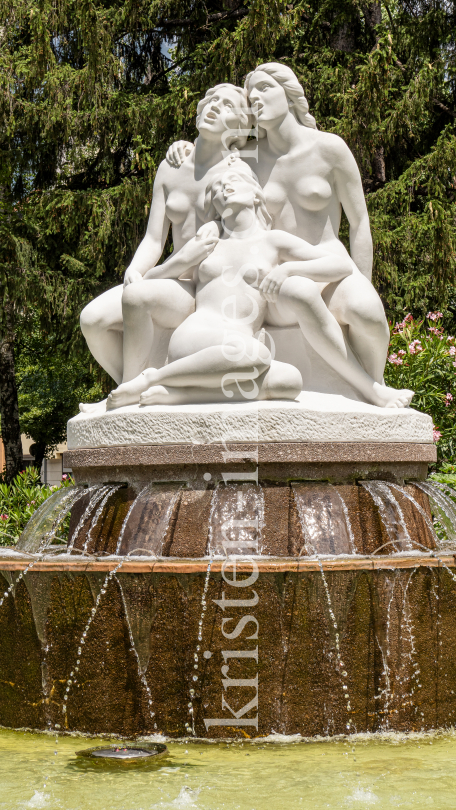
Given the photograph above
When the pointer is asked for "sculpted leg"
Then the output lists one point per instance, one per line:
(279, 381)
(101, 325)
(146, 305)
(325, 335)
(355, 303)
(216, 367)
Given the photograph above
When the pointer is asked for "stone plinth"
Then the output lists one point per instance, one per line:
(318, 437)
(314, 417)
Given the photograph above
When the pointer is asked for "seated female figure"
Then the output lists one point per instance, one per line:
(216, 354)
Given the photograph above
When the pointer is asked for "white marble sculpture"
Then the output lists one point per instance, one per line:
(231, 273)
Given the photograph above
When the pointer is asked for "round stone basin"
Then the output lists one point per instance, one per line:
(125, 753)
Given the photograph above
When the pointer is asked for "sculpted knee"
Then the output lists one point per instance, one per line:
(283, 381)
(133, 297)
(90, 319)
(368, 315)
(299, 290)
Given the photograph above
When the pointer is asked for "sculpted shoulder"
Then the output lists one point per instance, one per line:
(167, 174)
(334, 149)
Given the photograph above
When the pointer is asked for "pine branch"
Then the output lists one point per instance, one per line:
(235, 14)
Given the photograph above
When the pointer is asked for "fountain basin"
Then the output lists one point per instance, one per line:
(394, 617)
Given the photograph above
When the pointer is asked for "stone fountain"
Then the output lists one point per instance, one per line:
(252, 542)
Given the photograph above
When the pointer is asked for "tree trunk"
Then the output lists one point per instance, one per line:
(373, 16)
(38, 451)
(9, 409)
(378, 163)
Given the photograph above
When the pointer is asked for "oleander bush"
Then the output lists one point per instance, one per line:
(422, 357)
(19, 500)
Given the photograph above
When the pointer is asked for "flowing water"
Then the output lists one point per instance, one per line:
(391, 514)
(236, 520)
(393, 771)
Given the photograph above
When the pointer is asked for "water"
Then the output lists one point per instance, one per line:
(236, 520)
(148, 520)
(324, 519)
(141, 665)
(381, 773)
(443, 507)
(108, 491)
(390, 513)
(45, 522)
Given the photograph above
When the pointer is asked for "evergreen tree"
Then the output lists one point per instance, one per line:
(92, 93)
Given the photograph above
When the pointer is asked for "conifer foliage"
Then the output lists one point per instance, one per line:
(93, 91)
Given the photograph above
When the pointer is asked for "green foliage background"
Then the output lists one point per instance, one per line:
(93, 92)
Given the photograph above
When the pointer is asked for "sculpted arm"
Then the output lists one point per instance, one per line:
(295, 257)
(151, 247)
(190, 255)
(351, 195)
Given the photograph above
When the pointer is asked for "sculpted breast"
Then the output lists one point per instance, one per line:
(313, 192)
(177, 206)
(276, 196)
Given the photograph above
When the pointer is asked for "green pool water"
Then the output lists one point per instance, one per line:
(39, 771)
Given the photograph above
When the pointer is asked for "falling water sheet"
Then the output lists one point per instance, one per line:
(236, 521)
(390, 513)
(42, 521)
(443, 507)
(147, 522)
(324, 519)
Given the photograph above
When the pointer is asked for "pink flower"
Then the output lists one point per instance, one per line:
(401, 352)
(448, 398)
(434, 316)
(450, 337)
(3, 517)
(436, 435)
(435, 331)
(452, 351)
(415, 347)
(393, 358)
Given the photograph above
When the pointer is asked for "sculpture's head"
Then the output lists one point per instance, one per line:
(273, 91)
(238, 188)
(224, 114)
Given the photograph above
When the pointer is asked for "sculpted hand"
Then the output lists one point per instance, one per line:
(131, 276)
(211, 228)
(177, 153)
(270, 286)
(198, 248)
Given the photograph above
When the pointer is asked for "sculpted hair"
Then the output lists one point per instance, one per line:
(294, 92)
(238, 140)
(246, 174)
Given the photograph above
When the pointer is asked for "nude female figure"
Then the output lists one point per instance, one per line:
(218, 344)
(120, 325)
(307, 177)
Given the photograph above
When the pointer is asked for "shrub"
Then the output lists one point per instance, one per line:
(19, 500)
(423, 357)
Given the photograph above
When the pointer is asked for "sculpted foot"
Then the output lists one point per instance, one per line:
(386, 397)
(157, 395)
(91, 407)
(128, 393)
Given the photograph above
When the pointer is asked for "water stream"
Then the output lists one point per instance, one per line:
(73, 677)
(391, 514)
(236, 521)
(46, 521)
(312, 535)
(107, 492)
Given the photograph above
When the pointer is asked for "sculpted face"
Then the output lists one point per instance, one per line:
(221, 113)
(232, 189)
(267, 99)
